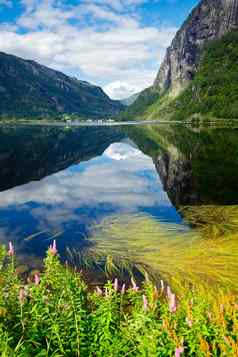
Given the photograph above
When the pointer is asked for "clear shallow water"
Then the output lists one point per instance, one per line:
(59, 182)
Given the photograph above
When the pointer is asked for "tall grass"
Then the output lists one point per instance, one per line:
(55, 314)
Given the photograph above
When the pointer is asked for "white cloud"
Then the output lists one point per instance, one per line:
(100, 41)
(124, 89)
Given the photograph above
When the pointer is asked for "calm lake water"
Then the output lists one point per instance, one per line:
(61, 182)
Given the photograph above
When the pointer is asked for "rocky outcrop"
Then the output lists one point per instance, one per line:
(210, 20)
(29, 89)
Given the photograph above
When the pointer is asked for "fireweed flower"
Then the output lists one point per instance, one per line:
(53, 250)
(134, 286)
(172, 303)
(99, 291)
(169, 292)
(21, 296)
(178, 351)
(11, 250)
(189, 322)
(162, 285)
(172, 300)
(37, 279)
(145, 303)
(115, 285)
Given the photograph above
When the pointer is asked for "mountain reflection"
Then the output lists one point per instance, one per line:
(31, 153)
(97, 173)
(196, 165)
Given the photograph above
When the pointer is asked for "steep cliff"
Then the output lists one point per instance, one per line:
(28, 89)
(199, 72)
(209, 21)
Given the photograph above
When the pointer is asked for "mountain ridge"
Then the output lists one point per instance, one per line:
(29, 89)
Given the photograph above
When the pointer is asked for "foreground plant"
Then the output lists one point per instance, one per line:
(55, 314)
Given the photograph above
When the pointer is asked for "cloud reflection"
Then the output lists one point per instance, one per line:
(123, 179)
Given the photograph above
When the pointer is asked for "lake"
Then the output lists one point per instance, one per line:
(67, 183)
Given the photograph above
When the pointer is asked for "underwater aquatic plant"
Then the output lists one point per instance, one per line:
(181, 256)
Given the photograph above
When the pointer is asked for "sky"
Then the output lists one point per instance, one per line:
(116, 44)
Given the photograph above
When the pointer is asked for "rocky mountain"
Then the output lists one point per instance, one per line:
(209, 21)
(29, 89)
(199, 72)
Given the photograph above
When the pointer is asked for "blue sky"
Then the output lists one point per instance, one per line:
(117, 44)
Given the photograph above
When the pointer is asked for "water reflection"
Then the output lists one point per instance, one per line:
(120, 180)
(31, 153)
(59, 182)
(196, 165)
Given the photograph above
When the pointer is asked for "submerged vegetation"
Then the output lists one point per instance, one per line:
(55, 314)
(204, 257)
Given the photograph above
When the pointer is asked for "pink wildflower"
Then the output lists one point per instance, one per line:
(21, 295)
(178, 351)
(169, 292)
(53, 250)
(99, 291)
(189, 322)
(172, 303)
(115, 285)
(123, 289)
(11, 250)
(145, 303)
(134, 286)
(37, 279)
(172, 300)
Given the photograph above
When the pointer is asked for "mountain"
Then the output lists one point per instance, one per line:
(209, 21)
(137, 109)
(206, 46)
(130, 100)
(29, 89)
